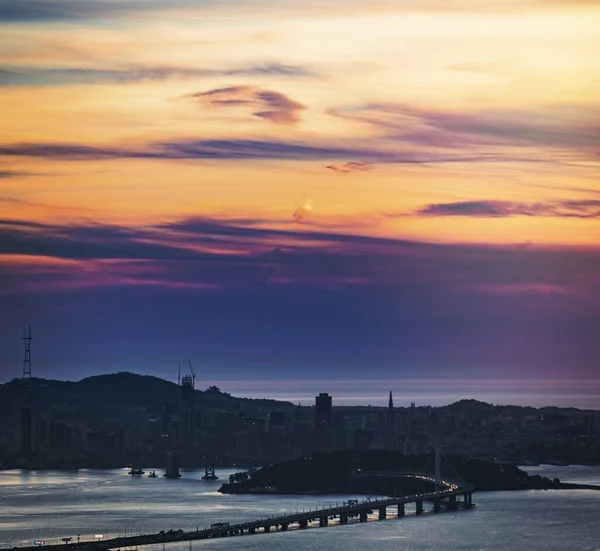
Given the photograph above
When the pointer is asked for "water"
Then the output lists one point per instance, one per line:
(51, 505)
(573, 473)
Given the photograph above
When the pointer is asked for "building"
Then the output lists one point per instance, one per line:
(391, 429)
(323, 403)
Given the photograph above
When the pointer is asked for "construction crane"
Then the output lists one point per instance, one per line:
(193, 374)
(188, 382)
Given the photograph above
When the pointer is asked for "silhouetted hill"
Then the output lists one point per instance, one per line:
(114, 390)
(340, 472)
(471, 406)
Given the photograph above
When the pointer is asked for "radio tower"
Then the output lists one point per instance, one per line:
(27, 338)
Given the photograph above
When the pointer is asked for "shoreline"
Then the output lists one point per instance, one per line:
(242, 468)
(334, 491)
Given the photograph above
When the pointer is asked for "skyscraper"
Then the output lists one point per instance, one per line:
(323, 408)
(323, 425)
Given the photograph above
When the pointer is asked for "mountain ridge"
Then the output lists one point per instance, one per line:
(122, 389)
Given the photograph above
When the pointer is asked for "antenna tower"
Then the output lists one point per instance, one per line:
(27, 338)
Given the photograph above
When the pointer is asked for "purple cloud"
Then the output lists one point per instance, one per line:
(282, 292)
(571, 129)
(352, 166)
(234, 148)
(502, 209)
(186, 149)
(50, 11)
(61, 76)
(181, 252)
(266, 104)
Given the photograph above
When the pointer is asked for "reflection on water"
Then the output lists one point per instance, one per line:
(573, 473)
(53, 504)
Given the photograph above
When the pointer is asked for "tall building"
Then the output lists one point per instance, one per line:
(323, 408)
(323, 423)
(390, 424)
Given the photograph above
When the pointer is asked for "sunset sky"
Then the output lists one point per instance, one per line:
(305, 196)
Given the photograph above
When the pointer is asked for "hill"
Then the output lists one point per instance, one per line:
(115, 390)
(340, 472)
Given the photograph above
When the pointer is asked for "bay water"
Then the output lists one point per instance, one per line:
(50, 505)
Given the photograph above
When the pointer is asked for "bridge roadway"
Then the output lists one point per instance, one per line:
(445, 489)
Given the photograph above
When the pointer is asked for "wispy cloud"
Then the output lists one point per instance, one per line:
(240, 148)
(266, 104)
(183, 149)
(272, 69)
(178, 248)
(76, 10)
(61, 76)
(573, 129)
(12, 173)
(351, 166)
(501, 209)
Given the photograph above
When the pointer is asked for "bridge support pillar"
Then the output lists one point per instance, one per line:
(252, 530)
(437, 505)
(382, 513)
(362, 516)
(267, 528)
(452, 502)
(323, 521)
(419, 507)
(400, 510)
(343, 518)
(467, 501)
(284, 526)
(303, 523)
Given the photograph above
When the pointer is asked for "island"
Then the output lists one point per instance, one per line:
(351, 472)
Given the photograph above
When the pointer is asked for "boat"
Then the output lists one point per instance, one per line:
(153, 475)
(136, 472)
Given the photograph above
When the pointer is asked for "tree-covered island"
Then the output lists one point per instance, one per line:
(347, 472)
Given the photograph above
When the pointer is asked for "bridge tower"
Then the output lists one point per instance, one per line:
(438, 458)
(188, 383)
(209, 472)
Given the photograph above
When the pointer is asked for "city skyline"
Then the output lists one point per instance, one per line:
(286, 204)
(562, 393)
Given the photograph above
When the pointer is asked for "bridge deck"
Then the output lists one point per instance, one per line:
(447, 488)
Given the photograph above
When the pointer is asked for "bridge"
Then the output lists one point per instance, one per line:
(445, 493)
(442, 492)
